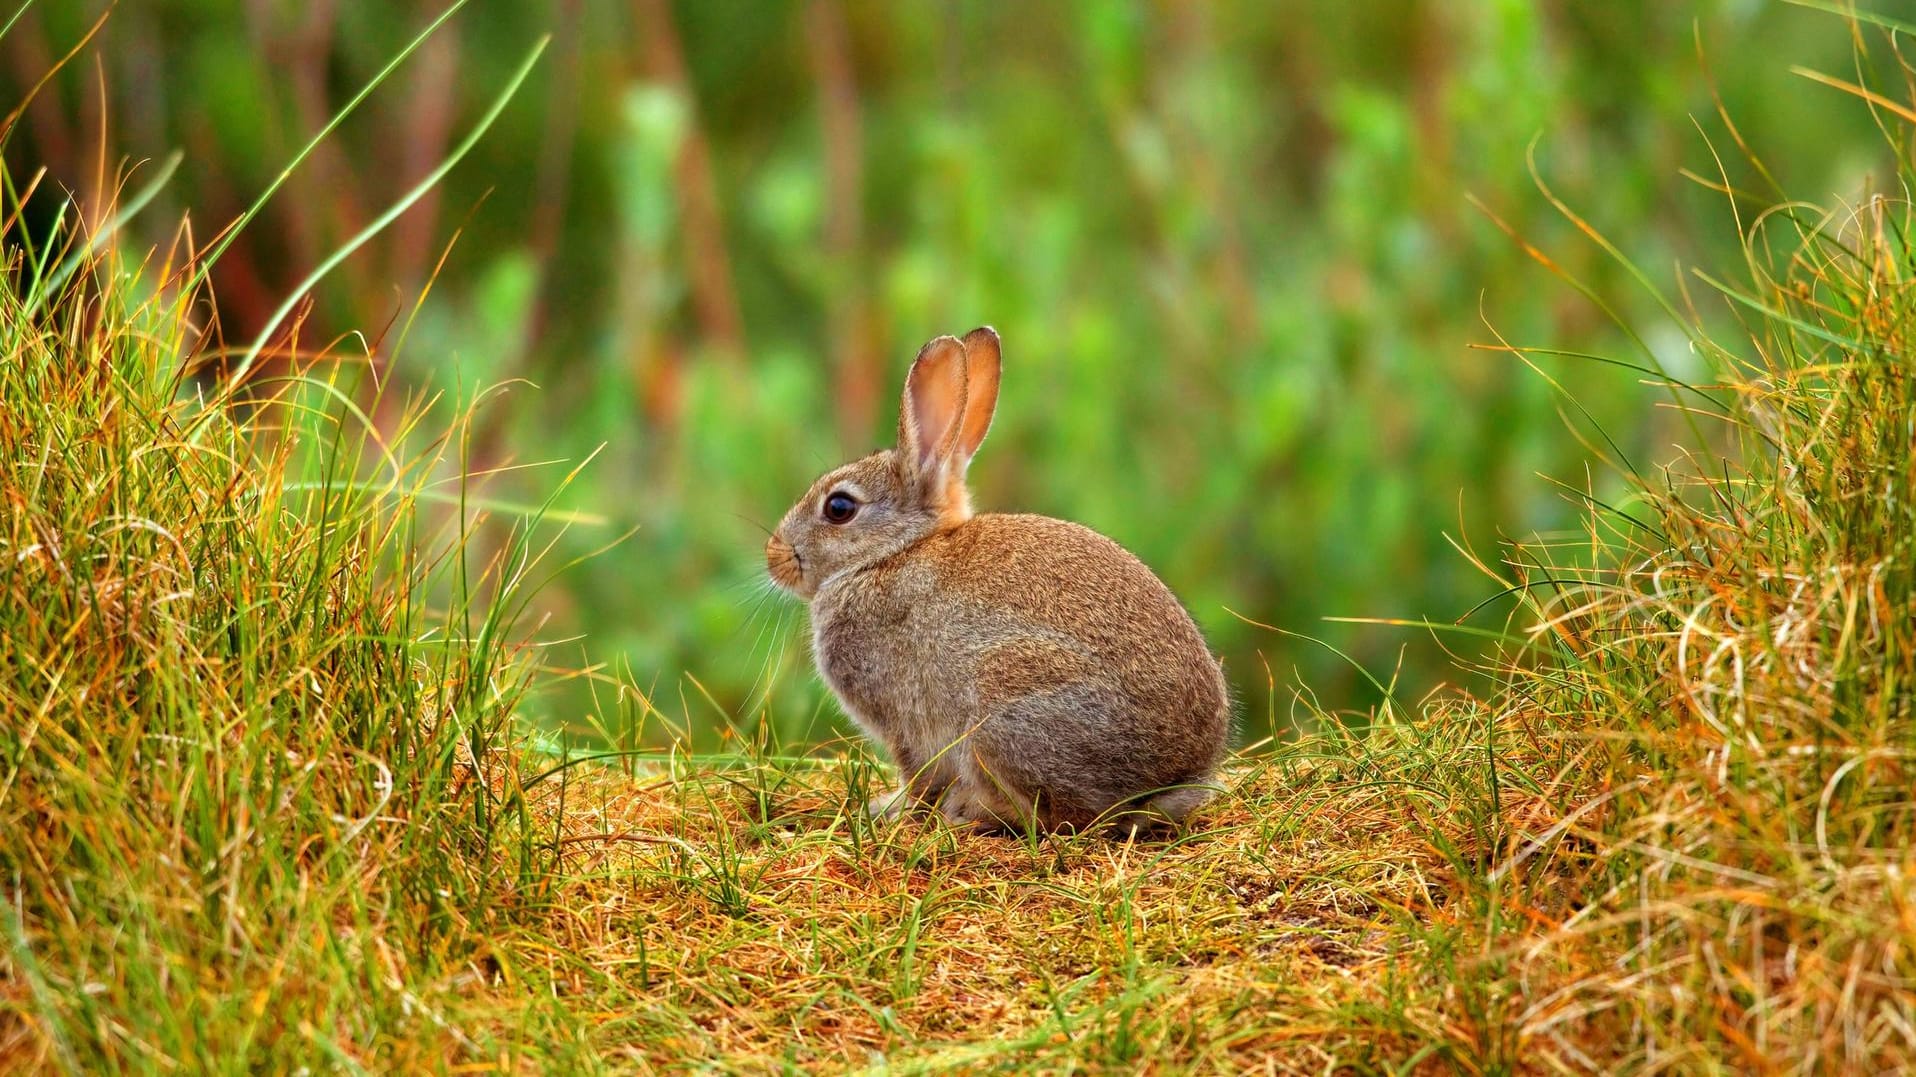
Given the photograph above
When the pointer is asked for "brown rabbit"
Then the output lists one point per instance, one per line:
(1019, 669)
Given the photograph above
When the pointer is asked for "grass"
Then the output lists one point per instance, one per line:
(258, 797)
(265, 804)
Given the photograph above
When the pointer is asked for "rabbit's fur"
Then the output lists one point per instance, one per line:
(1019, 669)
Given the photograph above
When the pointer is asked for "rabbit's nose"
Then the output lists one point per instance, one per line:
(781, 562)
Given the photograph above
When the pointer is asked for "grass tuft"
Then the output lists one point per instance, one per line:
(260, 798)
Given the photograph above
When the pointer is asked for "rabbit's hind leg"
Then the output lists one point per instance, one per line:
(922, 783)
(984, 802)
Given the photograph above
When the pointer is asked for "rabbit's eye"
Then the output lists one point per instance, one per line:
(840, 508)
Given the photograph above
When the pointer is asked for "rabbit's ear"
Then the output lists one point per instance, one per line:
(981, 390)
(928, 418)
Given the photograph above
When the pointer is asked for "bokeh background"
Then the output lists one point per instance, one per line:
(1232, 250)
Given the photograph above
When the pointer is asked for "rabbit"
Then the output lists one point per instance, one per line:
(1021, 671)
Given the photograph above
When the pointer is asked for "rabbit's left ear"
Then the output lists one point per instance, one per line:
(981, 391)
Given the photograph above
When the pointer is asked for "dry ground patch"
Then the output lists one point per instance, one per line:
(754, 917)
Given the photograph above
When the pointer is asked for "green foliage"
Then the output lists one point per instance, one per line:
(1228, 246)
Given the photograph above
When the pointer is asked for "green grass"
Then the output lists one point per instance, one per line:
(260, 801)
(266, 800)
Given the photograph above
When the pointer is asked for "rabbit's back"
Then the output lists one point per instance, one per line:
(1047, 575)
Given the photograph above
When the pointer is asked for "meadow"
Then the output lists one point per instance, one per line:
(366, 706)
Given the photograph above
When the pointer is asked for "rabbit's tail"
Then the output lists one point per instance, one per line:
(1175, 804)
(1162, 811)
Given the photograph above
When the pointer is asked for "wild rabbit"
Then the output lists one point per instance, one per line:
(1018, 669)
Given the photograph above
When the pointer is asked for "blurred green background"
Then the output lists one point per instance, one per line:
(1230, 248)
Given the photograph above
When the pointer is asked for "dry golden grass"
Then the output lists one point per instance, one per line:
(710, 924)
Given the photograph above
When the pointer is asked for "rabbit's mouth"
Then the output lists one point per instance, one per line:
(783, 565)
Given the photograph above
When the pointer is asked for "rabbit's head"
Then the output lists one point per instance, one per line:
(877, 506)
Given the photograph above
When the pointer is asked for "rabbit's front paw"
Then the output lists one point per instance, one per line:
(892, 805)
